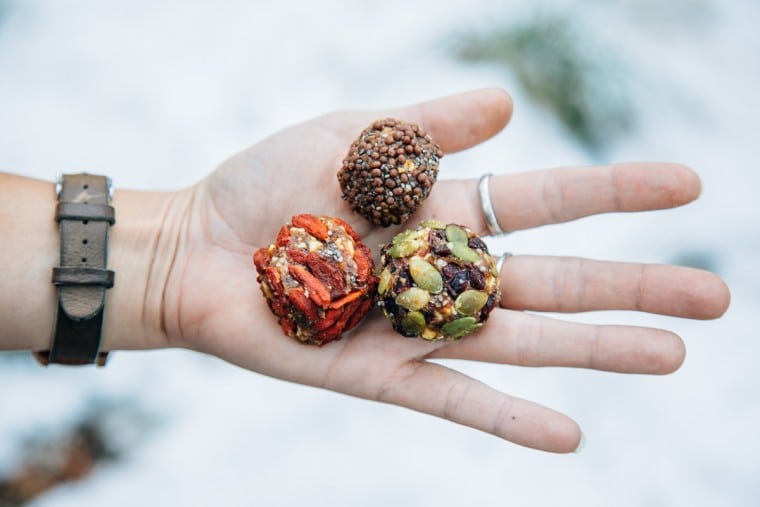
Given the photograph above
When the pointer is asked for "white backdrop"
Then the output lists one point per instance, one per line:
(156, 94)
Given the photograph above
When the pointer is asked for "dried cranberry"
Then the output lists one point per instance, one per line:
(478, 244)
(437, 240)
(477, 279)
(402, 282)
(449, 271)
(490, 305)
(456, 279)
(392, 308)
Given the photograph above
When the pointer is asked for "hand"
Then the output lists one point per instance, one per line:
(213, 304)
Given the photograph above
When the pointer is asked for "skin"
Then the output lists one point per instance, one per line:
(185, 276)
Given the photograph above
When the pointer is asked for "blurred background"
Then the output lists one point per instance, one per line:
(156, 94)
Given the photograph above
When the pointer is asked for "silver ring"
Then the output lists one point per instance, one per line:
(485, 204)
(500, 261)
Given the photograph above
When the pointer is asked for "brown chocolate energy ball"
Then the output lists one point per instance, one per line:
(389, 170)
(437, 282)
(317, 278)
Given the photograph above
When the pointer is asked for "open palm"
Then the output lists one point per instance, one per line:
(212, 302)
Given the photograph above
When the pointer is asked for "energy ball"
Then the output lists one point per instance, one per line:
(317, 278)
(437, 282)
(389, 171)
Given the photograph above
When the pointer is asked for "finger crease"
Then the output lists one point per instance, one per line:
(553, 198)
(386, 389)
(577, 287)
(529, 343)
(593, 350)
(453, 400)
(641, 289)
(615, 184)
(502, 418)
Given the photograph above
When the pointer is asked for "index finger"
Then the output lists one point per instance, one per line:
(455, 122)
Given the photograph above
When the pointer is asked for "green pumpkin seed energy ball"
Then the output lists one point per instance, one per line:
(437, 282)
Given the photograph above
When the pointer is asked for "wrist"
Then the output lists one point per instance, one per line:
(142, 252)
(30, 249)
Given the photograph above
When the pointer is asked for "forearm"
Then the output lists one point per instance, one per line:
(140, 252)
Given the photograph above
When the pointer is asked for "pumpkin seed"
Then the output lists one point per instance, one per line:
(470, 302)
(413, 323)
(460, 327)
(425, 275)
(405, 235)
(456, 234)
(463, 252)
(413, 298)
(404, 248)
(385, 281)
(429, 334)
(433, 224)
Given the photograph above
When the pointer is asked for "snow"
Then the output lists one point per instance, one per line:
(157, 93)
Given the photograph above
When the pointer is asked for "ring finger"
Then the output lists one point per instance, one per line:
(569, 284)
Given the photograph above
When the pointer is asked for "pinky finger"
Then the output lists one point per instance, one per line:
(437, 390)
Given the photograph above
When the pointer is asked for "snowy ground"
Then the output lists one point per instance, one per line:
(157, 93)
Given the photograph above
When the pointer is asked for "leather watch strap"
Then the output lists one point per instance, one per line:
(84, 216)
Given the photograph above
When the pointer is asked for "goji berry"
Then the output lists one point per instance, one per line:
(338, 303)
(350, 230)
(283, 236)
(261, 259)
(327, 272)
(298, 256)
(312, 225)
(317, 291)
(303, 303)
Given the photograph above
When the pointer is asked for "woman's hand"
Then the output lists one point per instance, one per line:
(212, 303)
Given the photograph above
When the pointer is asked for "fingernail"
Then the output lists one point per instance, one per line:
(581, 444)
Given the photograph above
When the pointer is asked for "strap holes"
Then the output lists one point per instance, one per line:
(84, 259)
(85, 186)
(85, 222)
(84, 241)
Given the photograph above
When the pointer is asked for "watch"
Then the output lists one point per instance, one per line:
(84, 215)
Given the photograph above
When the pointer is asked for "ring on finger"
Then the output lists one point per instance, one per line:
(500, 261)
(487, 206)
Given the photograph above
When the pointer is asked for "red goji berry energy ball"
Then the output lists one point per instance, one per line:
(438, 282)
(389, 171)
(317, 278)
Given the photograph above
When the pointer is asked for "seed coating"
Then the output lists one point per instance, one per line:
(413, 323)
(413, 298)
(385, 282)
(460, 327)
(470, 302)
(404, 248)
(456, 234)
(388, 155)
(450, 284)
(425, 275)
(463, 252)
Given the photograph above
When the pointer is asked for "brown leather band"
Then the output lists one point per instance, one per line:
(77, 211)
(84, 217)
(83, 276)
